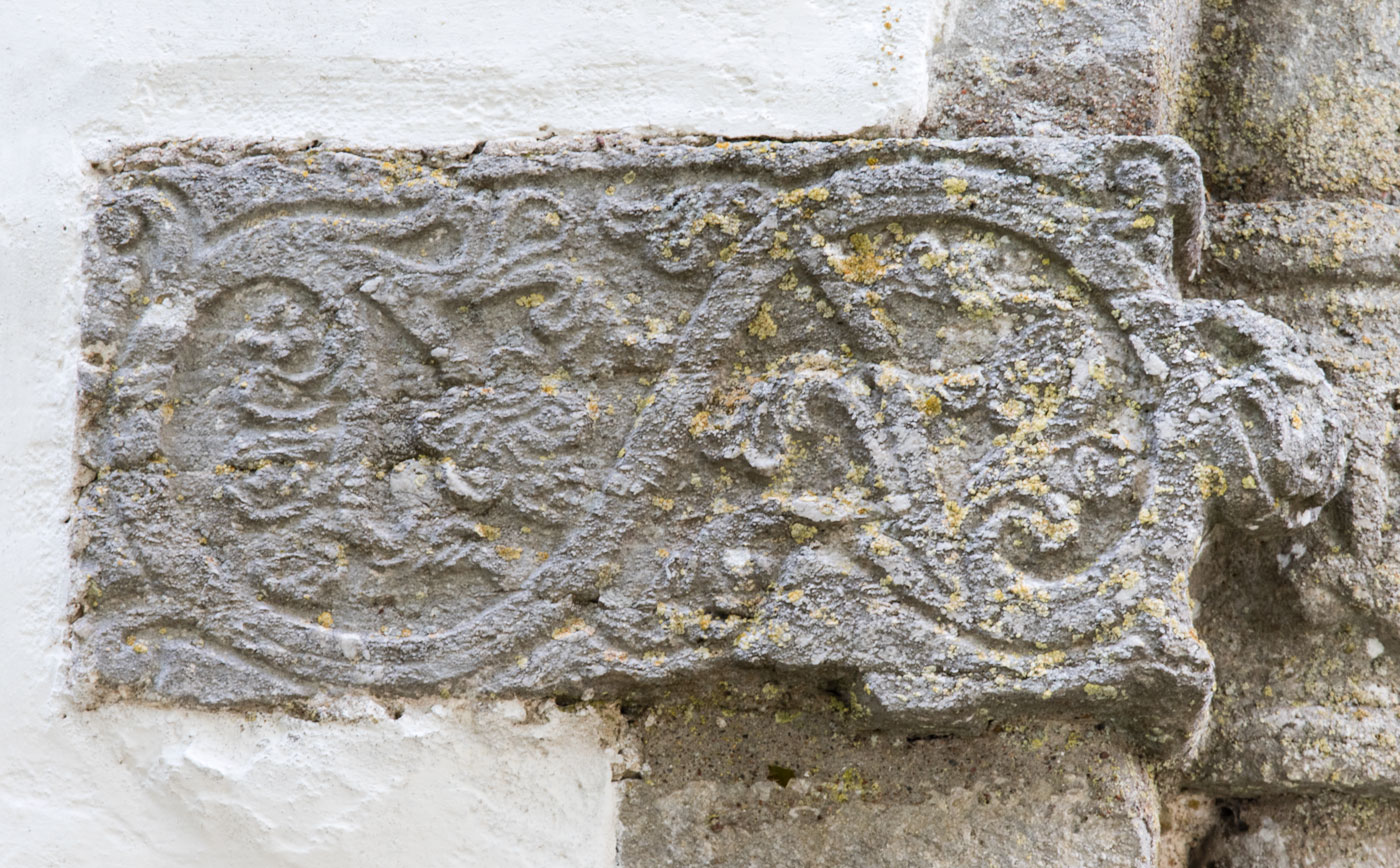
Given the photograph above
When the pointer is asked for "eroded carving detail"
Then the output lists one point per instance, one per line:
(933, 417)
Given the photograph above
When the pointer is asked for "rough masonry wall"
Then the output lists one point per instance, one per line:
(472, 439)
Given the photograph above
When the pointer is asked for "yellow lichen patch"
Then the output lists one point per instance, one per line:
(978, 304)
(1101, 691)
(763, 326)
(802, 532)
(552, 218)
(790, 199)
(570, 627)
(679, 621)
(487, 532)
(953, 515)
(882, 546)
(699, 422)
(409, 174)
(795, 595)
(1146, 221)
(889, 374)
(954, 186)
(879, 314)
(606, 574)
(1210, 481)
(534, 299)
(729, 224)
(1153, 606)
(961, 379)
(1248, 483)
(779, 248)
(851, 783)
(1098, 372)
(656, 327)
(550, 383)
(1126, 580)
(931, 261)
(928, 404)
(1056, 531)
(325, 620)
(509, 553)
(1033, 486)
(1012, 409)
(864, 265)
(1042, 663)
(665, 504)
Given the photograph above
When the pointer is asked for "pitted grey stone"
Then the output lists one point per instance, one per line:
(930, 418)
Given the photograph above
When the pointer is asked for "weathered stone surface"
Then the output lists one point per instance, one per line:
(1297, 99)
(1299, 706)
(1048, 67)
(797, 782)
(1323, 832)
(928, 417)
(1304, 627)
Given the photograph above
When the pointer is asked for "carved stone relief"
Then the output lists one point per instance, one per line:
(1304, 626)
(931, 420)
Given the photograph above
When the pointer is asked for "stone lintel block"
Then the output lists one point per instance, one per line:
(930, 419)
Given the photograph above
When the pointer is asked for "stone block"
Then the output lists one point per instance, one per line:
(798, 783)
(1323, 832)
(1297, 99)
(932, 418)
(1051, 67)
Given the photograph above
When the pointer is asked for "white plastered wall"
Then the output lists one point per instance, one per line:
(453, 783)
